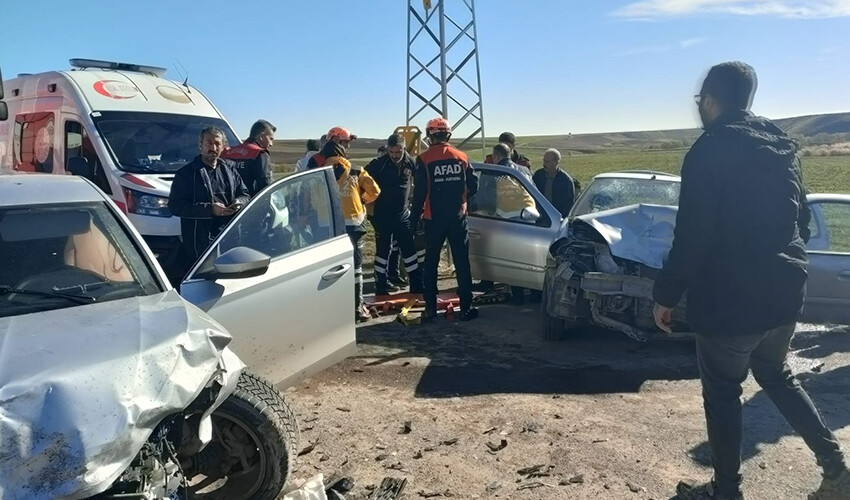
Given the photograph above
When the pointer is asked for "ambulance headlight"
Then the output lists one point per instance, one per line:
(146, 204)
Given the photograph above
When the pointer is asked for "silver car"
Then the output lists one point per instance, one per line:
(100, 354)
(602, 265)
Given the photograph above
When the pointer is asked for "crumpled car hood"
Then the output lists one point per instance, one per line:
(82, 388)
(640, 233)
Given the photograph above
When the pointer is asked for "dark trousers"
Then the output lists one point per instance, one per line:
(436, 232)
(355, 233)
(397, 229)
(392, 262)
(724, 363)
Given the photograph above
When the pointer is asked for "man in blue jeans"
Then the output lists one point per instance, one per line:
(740, 256)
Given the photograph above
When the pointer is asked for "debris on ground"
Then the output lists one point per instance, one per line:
(406, 427)
(314, 489)
(489, 431)
(531, 470)
(308, 449)
(531, 486)
(343, 409)
(450, 442)
(417, 455)
(390, 489)
(530, 427)
(493, 487)
(494, 447)
(634, 488)
(577, 479)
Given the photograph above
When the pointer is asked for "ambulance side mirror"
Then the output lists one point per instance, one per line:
(80, 166)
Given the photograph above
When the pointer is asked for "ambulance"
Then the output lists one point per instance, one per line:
(123, 126)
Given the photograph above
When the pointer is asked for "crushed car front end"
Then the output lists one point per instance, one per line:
(601, 270)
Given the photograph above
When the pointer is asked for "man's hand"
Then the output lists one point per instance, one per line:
(220, 210)
(235, 206)
(663, 317)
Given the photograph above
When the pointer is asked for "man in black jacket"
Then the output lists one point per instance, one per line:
(393, 172)
(252, 158)
(555, 184)
(740, 256)
(206, 194)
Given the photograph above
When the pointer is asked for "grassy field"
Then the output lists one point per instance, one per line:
(823, 174)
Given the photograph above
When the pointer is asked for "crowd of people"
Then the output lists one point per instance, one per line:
(401, 196)
(738, 252)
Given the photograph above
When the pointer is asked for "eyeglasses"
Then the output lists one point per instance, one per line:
(698, 99)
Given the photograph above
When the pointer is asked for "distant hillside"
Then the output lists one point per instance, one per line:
(810, 130)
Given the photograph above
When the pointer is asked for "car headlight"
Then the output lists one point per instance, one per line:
(146, 204)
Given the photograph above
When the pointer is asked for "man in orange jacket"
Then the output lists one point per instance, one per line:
(444, 182)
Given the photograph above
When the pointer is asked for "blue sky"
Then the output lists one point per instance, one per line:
(547, 66)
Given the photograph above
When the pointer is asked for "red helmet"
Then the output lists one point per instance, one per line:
(438, 124)
(342, 133)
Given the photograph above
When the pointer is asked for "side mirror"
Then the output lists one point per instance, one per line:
(529, 214)
(241, 262)
(80, 166)
(4, 110)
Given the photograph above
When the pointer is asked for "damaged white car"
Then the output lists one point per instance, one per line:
(602, 265)
(113, 385)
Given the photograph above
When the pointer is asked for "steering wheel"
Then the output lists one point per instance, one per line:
(63, 277)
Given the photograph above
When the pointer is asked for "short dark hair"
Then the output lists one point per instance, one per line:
(396, 140)
(507, 138)
(733, 84)
(261, 126)
(313, 145)
(212, 131)
(382, 150)
(502, 150)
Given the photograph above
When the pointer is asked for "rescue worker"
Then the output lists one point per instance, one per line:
(206, 194)
(394, 174)
(356, 189)
(510, 139)
(252, 157)
(444, 182)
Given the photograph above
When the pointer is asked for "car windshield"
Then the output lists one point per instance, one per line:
(154, 142)
(607, 193)
(67, 255)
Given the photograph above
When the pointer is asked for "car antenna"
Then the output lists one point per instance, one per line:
(184, 75)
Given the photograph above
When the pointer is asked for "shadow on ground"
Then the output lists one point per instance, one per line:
(501, 353)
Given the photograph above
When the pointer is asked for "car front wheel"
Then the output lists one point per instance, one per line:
(253, 448)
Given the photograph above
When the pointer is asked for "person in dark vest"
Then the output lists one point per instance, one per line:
(556, 185)
(252, 157)
(739, 254)
(393, 172)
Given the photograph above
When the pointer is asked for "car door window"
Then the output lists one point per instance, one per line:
(292, 215)
(501, 196)
(830, 227)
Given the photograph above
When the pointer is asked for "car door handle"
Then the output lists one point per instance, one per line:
(844, 276)
(335, 273)
(474, 233)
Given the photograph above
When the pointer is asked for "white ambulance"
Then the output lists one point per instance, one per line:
(122, 125)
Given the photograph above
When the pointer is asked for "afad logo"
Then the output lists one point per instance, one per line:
(115, 89)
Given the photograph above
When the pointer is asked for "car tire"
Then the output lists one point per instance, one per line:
(550, 328)
(260, 413)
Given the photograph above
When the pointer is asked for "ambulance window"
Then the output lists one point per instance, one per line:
(78, 143)
(33, 145)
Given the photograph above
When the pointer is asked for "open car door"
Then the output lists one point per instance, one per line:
(280, 278)
(828, 288)
(511, 225)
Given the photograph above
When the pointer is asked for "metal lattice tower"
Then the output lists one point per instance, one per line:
(442, 66)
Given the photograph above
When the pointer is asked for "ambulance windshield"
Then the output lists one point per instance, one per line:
(155, 142)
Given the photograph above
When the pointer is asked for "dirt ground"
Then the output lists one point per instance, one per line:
(602, 416)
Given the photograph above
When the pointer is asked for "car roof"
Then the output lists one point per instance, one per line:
(46, 189)
(639, 174)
